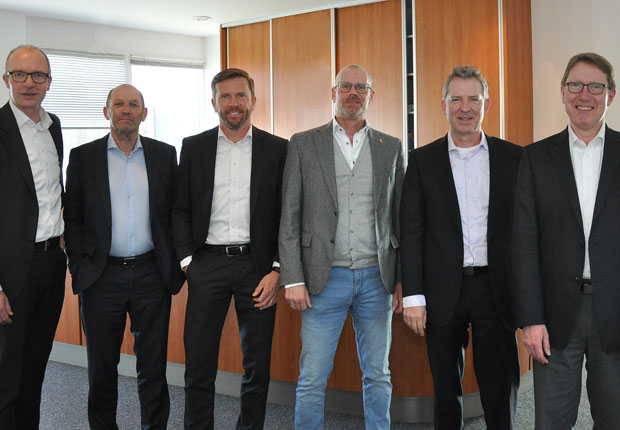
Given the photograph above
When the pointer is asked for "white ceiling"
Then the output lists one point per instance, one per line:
(168, 16)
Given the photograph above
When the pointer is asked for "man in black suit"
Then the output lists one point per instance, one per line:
(456, 217)
(32, 263)
(117, 213)
(566, 253)
(225, 224)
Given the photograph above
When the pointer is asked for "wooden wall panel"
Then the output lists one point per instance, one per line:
(69, 328)
(248, 49)
(451, 33)
(358, 42)
(176, 349)
(518, 93)
(301, 72)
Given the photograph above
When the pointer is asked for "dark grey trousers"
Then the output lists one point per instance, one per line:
(557, 385)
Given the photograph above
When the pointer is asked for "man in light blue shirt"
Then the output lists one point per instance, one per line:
(117, 215)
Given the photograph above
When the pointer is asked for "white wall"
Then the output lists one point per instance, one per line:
(561, 29)
(19, 28)
(13, 34)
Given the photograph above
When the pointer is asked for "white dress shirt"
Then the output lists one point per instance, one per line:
(45, 168)
(230, 207)
(471, 174)
(587, 161)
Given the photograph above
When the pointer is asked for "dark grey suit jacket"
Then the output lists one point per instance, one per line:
(432, 235)
(549, 241)
(20, 209)
(310, 207)
(88, 211)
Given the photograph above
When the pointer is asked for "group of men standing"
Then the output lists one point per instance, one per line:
(481, 233)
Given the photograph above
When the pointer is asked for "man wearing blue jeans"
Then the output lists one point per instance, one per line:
(338, 243)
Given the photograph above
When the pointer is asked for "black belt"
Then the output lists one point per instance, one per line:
(131, 262)
(475, 270)
(586, 286)
(229, 250)
(52, 242)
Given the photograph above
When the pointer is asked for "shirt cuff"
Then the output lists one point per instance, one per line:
(415, 300)
(186, 261)
(1, 288)
(293, 285)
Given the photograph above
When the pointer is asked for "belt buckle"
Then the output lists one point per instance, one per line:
(129, 263)
(586, 288)
(234, 250)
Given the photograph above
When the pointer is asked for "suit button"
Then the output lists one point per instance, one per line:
(332, 240)
(577, 279)
(582, 244)
(335, 213)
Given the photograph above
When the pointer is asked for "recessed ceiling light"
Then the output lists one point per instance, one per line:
(201, 18)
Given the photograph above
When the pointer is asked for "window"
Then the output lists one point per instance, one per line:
(174, 95)
(80, 86)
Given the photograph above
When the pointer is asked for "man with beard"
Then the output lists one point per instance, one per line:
(225, 224)
(117, 215)
(338, 247)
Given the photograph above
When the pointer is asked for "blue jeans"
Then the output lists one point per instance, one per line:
(361, 291)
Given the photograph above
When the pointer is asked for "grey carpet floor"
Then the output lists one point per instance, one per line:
(64, 401)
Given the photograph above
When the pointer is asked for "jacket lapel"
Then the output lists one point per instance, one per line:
(497, 179)
(151, 174)
(379, 163)
(445, 178)
(609, 171)
(560, 155)
(101, 176)
(12, 139)
(258, 162)
(207, 161)
(324, 147)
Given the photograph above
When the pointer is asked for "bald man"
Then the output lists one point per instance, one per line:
(117, 213)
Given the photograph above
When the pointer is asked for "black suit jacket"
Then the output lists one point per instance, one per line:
(549, 241)
(192, 209)
(88, 213)
(20, 209)
(432, 236)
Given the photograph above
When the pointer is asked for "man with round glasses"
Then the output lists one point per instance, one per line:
(566, 250)
(32, 262)
(338, 247)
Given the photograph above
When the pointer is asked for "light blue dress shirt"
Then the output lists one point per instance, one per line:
(129, 197)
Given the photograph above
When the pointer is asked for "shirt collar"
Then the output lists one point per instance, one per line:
(573, 138)
(337, 128)
(112, 144)
(453, 148)
(21, 118)
(221, 135)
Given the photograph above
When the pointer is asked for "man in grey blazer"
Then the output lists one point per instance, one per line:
(338, 243)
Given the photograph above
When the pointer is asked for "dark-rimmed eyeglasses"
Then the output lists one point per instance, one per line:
(37, 77)
(345, 87)
(593, 88)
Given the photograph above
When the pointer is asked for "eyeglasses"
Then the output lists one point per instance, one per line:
(593, 88)
(345, 87)
(37, 77)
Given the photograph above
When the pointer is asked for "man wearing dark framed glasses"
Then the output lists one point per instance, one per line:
(338, 245)
(565, 253)
(32, 261)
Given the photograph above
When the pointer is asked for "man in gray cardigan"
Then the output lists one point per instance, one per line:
(338, 247)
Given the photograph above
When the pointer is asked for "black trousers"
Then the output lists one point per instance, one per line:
(213, 279)
(26, 343)
(141, 292)
(496, 360)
